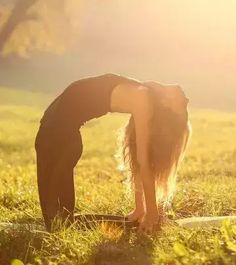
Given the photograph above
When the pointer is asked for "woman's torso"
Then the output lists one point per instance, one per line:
(82, 101)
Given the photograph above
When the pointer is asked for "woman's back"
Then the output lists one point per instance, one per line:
(81, 101)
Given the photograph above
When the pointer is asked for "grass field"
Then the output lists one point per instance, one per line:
(206, 187)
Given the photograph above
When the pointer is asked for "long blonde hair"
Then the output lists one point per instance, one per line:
(169, 134)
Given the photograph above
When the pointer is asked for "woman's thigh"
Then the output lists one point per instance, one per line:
(57, 149)
(70, 152)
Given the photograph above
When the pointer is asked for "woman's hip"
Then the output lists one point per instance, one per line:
(58, 144)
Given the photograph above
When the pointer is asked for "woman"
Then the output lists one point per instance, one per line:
(154, 143)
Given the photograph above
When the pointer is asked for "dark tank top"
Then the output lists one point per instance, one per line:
(82, 101)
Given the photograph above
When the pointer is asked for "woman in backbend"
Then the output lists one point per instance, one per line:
(154, 143)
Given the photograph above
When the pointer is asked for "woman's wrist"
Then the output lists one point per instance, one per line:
(152, 211)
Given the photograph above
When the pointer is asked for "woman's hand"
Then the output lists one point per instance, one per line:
(135, 215)
(150, 223)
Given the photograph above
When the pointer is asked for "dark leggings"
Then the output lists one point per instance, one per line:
(58, 151)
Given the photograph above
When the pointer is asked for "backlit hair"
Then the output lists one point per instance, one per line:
(169, 133)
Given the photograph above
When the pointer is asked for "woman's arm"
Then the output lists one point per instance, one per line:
(134, 99)
(139, 211)
(142, 116)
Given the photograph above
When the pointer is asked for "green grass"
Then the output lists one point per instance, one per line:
(206, 186)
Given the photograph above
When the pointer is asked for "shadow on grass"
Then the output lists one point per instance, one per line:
(18, 243)
(117, 246)
(18, 239)
(130, 249)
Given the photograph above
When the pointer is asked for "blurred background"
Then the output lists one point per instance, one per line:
(47, 44)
